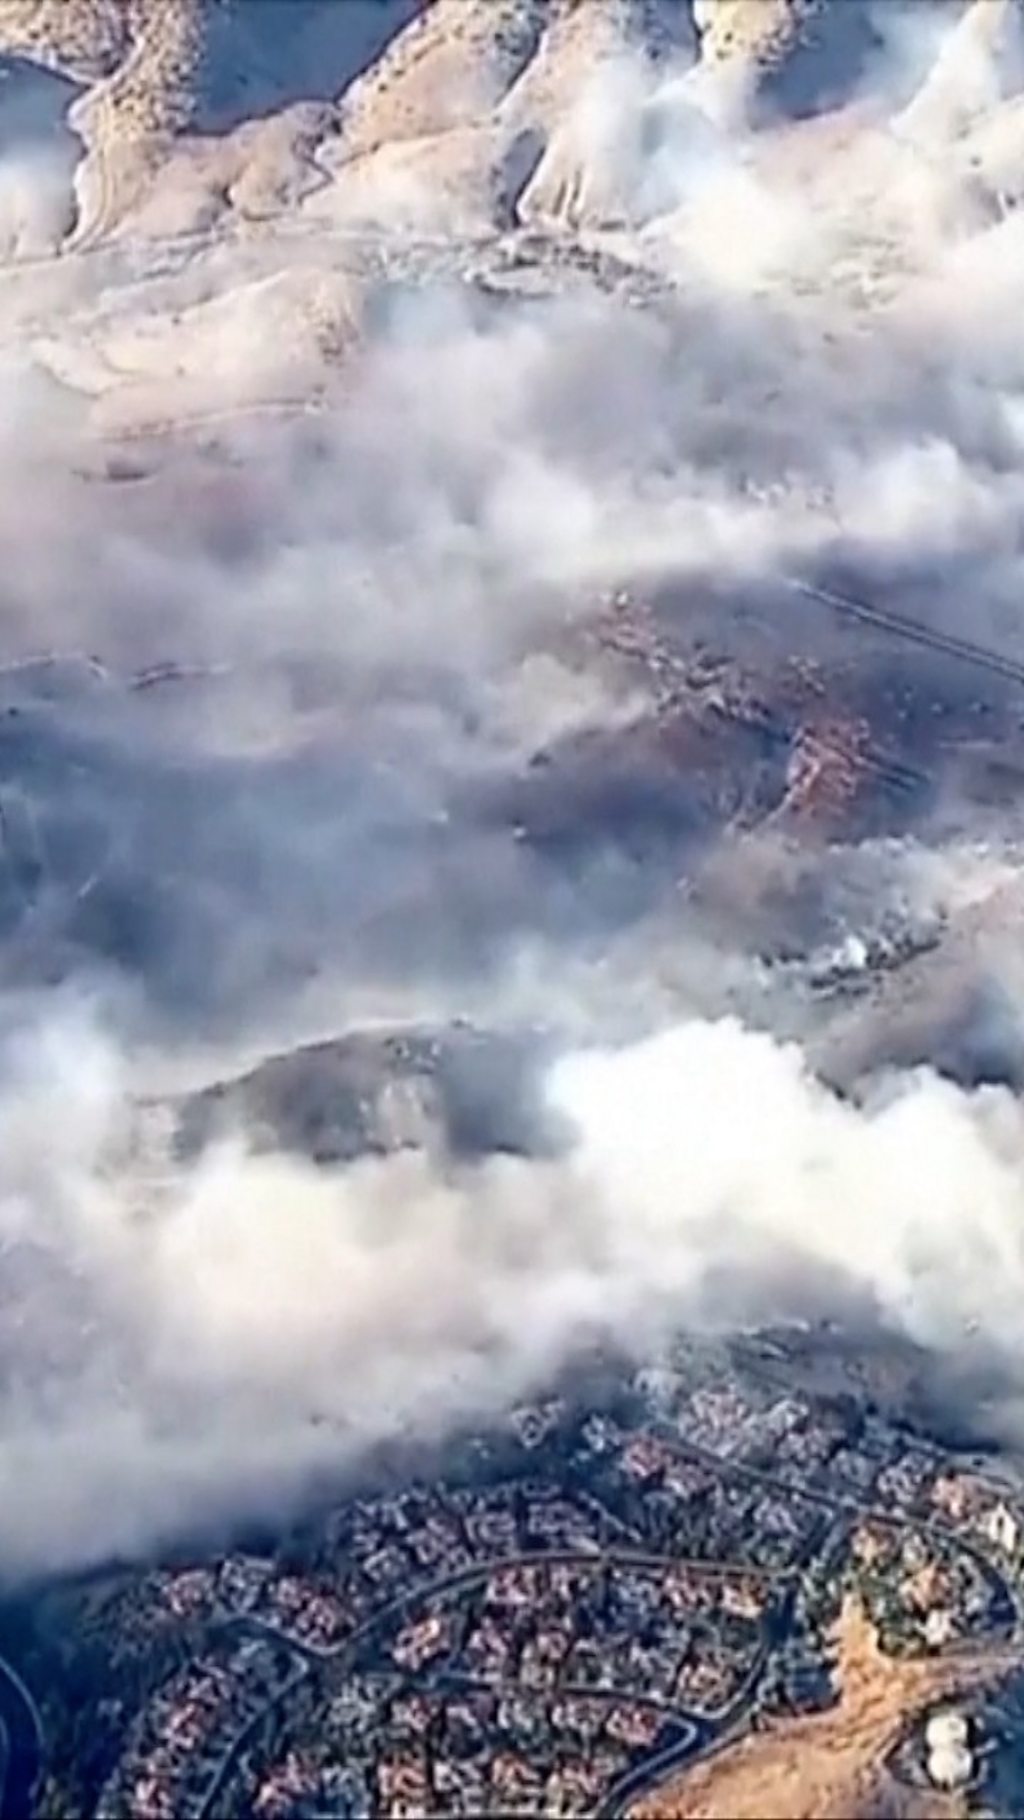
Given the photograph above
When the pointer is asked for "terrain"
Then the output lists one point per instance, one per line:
(511, 744)
(827, 1764)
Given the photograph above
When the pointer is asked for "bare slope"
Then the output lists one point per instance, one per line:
(827, 1766)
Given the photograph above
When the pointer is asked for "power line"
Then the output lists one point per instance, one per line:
(964, 650)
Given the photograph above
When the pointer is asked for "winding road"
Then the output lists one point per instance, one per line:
(21, 1746)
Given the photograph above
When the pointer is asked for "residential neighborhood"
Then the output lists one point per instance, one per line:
(565, 1606)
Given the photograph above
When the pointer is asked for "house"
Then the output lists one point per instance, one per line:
(1000, 1527)
(939, 1627)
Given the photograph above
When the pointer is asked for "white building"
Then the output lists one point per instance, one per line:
(948, 1727)
(938, 1627)
(1001, 1528)
(950, 1767)
(950, 1763)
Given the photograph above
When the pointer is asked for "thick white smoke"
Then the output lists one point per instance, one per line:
(376, 610)
(720, 1153)
(188, 1338)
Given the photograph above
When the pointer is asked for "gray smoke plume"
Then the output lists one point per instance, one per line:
(301, 734)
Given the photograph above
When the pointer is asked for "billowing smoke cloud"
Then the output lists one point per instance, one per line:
(199, 1335)
(302, 731)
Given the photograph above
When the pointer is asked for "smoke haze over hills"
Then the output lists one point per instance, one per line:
(315, 504)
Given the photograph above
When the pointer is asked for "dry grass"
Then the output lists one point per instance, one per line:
(85, 38)
(826, 1766)
(139, 59)
(761, 31)
(471, 107)
(138, 56)
(570, 54)
(444, 71)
